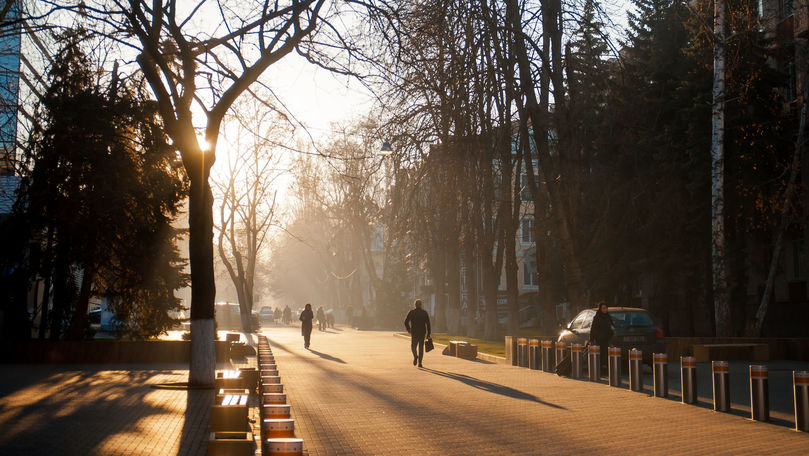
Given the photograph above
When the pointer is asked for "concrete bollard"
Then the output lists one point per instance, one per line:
(275, 411)
(759, 393)
(282, 447)
(800, 383)
(277, 428)
(721, 386)
(575, 360)
(534, 360)
(688, 379)
(561, 353)
(522, 352)
(270, 379)
(272, 388)
(594, 363)
(614, 367)
(661, 374)
(273, 398)
(635, 374)
(269, 371)
(548, 364)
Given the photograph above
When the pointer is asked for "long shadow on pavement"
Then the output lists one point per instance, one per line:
(327, 357)
(492, 387)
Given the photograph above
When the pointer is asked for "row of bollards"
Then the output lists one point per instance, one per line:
(540, 355)
(277, 425)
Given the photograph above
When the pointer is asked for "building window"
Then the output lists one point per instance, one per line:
(525, 193)
(529, 274)
(786, 8)
(527, 230)
(798, 259)
(790, 92)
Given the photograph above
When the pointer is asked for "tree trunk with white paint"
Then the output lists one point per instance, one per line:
(721, 295)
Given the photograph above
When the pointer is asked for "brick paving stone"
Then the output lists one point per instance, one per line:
(100, 410)
(357, 393)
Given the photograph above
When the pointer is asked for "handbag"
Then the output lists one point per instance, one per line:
(428, 344)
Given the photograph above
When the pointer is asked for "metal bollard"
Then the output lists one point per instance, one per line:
(800, 382)
(594, 363)
(561, 353)
(661, 374)
(533, 354)
(522, 352)
(575, 360)
(759, 393)
(635, 374)
(688, 379)
(721, 386)
(547, 356)
(615, 366)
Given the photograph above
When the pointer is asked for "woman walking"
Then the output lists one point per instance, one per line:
(306, 324)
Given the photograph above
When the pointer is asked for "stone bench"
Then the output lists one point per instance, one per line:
(731, 352)
(231, 444)
(462, 349)
(230, 414)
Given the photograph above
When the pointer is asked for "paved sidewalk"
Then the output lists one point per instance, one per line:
(357, 393)
(100, 410)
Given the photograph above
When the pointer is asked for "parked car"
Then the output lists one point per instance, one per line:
(265, 314)
(634, 328)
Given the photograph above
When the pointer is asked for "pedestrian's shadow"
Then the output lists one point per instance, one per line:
(327, 357)
(492, 387)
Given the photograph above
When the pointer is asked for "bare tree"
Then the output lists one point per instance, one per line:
(247, 196)
(198, 59)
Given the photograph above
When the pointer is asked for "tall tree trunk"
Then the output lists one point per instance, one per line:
(754, 325)
(721, 293)
(46, 293)
(203, 289)
(78, 323)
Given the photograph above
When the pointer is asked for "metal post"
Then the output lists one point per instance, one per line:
(661, 374)
(533, 354)
(561, 352)
(594, 363)
(547, 356)
(800, 382)
(615, 366)
(575, 360)
(721, 386)
(688, 379)
(635, 376)
(522, 352)
(759, 393)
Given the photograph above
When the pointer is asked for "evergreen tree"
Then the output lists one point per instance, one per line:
(102, 186)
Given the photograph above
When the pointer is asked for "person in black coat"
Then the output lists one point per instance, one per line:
(417, 324)
(601, 332)
(306, 324)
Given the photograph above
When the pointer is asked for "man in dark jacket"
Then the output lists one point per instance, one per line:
(417, 324)
(601, 332)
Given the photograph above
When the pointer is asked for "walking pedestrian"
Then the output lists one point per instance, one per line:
(417, 324)
(321, 319)
(287, 315)
(306, 324)
(601, 332)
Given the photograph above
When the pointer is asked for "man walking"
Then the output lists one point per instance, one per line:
(417, 324)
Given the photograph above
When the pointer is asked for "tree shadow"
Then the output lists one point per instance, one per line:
(492, 387)
(82, 409)
(327, 357)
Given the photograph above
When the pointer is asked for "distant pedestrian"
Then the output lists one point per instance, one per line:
(321, 319)
(330, 319)
(601, 331)
(277, 313)
(417, 324)
(306, 324)
(287, 315)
